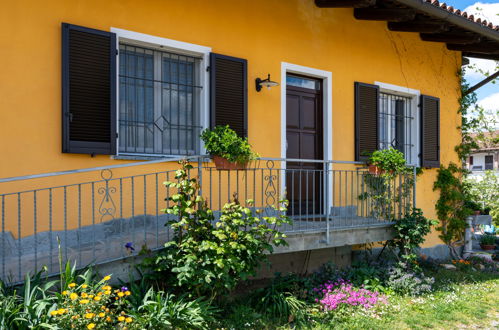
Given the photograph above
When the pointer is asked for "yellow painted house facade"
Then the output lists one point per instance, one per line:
(297, 42)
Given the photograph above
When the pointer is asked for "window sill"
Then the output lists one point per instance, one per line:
(140, 157)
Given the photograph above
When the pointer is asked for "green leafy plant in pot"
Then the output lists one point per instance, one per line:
(488, 242)
(229, 151)
(387, 160)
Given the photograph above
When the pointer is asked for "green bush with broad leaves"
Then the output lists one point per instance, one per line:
(410, 232)
(207, 257)
(224, 142)
(484, 193)
(390, 160)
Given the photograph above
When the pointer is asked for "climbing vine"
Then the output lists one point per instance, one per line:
(451, 207)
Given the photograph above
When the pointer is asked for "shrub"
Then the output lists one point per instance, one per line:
(208, 258)
(410, 232)
(224, 142)
(409, 282)
(159, 310)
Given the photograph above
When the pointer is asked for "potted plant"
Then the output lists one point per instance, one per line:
(386, 160)
(229, 151)
(488, 242)
(472, 205)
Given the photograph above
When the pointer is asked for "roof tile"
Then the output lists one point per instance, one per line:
(464, 14)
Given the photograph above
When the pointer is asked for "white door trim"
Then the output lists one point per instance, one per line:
(327, 111)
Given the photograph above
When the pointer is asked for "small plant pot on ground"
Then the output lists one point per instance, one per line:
(487, 247)
(225, 165)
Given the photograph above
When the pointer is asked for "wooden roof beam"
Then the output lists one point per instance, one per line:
(418, 26)
(482, 56)
(384, 14)
(452, 38)
(486, 48)
(344, 3)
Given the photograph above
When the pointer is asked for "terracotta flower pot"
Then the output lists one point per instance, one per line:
(487, 247)
(223, 164)
(375, 170)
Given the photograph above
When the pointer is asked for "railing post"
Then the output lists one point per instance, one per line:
(414, 175)
(200, 175)
(328, 205)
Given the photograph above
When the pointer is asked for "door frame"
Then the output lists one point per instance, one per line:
(327, 113)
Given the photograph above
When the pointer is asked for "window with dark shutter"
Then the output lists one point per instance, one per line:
(366, 119)
(430, 131)
(229, 92)
(88, 90)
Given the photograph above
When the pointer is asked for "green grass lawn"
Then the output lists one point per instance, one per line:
(461, 300)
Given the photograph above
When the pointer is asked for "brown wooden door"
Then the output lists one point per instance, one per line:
(304, 137)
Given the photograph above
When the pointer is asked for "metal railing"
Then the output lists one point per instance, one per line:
(93, 221)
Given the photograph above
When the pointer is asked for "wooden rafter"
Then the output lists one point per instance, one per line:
(384, 14)
(344, 3)
(486, 48)
(418, 26)
(454, 38)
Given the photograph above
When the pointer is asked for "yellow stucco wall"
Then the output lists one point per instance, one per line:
(265, 32)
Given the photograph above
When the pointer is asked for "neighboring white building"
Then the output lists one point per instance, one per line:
(487, 156)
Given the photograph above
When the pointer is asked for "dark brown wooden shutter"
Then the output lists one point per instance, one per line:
(88, 90)
(229, 92)
(430, 131)
(366, 120)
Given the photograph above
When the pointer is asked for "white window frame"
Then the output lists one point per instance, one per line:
(178, 47)
(414, 94)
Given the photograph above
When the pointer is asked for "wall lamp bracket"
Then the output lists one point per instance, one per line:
(265, 82)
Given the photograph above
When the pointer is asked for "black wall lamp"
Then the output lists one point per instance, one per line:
(266, 82)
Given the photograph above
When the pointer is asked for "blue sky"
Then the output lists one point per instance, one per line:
(489, 10)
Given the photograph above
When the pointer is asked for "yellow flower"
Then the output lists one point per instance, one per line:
(128, 320)
(97, 298)
(122, 313)
(84, 295)
(107, 310)
(64, 292)
(90, 296)
(108, 319)
(107, 292)
(120, 294)
(121, 318)
(91, 326)
(73, 296)
(102, 314)
(89, 315)
(84, 301)
(54, 313)
(84, 286)
(106, 288)
(62, 311)
(128, 293)
(99, 293)
(107, 278)
(72, 285)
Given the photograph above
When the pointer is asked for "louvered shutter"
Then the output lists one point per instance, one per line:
(88, 90)
(430, 131)
(366, 120)
(229, 92)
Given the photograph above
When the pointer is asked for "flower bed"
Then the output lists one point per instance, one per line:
(344, 293)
